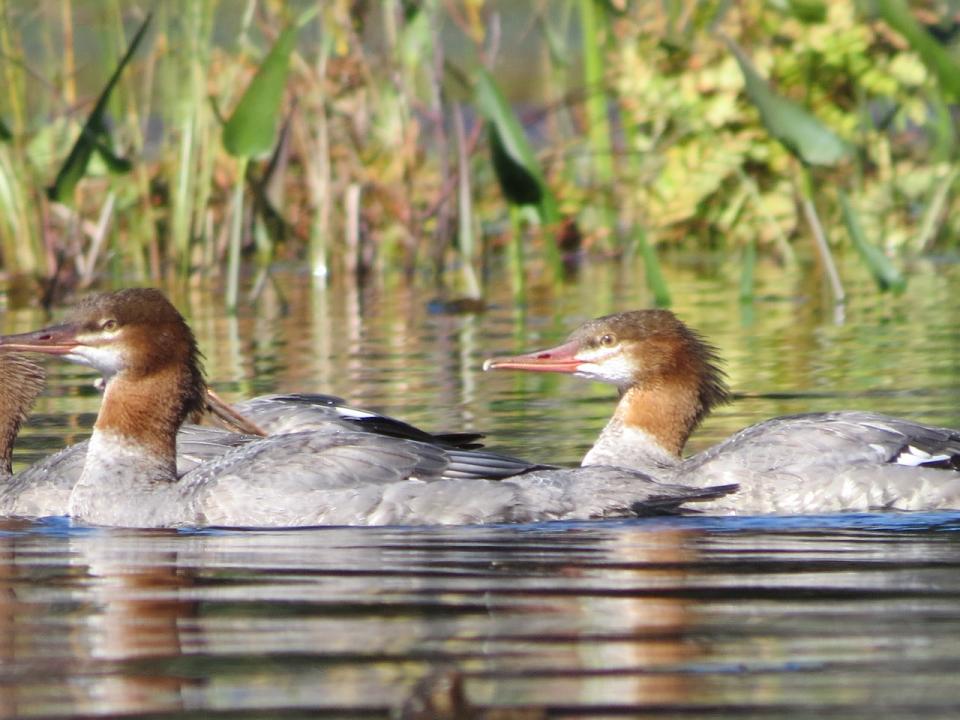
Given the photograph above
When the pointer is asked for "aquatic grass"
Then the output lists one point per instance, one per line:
(884, 273)
(652, 271)
(639, 238)
(594, 36)
(251, 131)
(809, 208)
(189, 114)
(17, 234)
(466, 219)
(13, 79)
(748, 266)
(518, 172)
(94, 136)
(809, 140)
(128, 203)
(317, 164)
(642, 115)
(933, 217)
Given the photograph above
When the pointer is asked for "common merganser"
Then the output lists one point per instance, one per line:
(149, 360)
(43, 488)
(669, 379)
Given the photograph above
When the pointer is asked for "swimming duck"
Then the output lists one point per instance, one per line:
(669, 378)
(153, 381)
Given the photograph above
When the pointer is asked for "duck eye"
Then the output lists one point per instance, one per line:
(608, 340)
(109, 324)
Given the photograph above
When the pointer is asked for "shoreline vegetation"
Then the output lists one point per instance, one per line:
(213, 139)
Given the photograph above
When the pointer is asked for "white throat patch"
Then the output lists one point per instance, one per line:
(107, 361)
(605, 366)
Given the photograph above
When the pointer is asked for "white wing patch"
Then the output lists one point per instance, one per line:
(914, 456)
(353, 412)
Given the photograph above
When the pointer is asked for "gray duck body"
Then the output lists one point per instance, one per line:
(43, 489)
(844, 461)
(309, 479)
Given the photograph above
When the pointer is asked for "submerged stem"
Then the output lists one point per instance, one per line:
(236, 236)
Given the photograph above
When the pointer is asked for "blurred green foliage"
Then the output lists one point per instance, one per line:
(699, 146)
(715, 175)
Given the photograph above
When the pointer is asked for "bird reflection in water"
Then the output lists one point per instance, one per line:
(349, 620)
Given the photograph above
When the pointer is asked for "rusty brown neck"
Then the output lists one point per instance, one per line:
(668, 412)
(146, 411)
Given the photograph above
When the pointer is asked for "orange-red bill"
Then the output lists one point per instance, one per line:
(53, 340)
(561, 359)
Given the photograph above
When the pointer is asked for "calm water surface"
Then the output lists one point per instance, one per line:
(842, 616)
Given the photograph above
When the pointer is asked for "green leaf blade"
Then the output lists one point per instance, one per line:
(515, 163)
(652, 271)
(518, 185)
(797, 129)
(115, 164)
(497, 111)
(93, 135)
(251, 129)
(884, 273)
